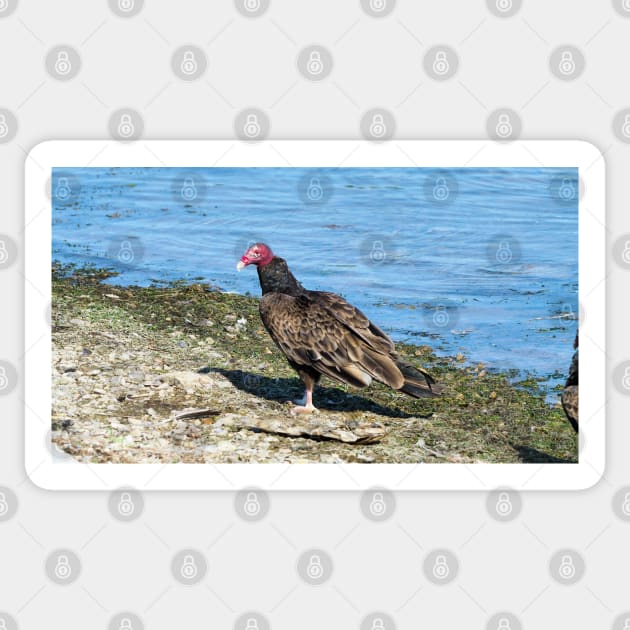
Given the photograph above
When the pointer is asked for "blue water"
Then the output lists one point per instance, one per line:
(481, 262)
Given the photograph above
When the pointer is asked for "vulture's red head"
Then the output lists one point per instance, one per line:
(258, 254)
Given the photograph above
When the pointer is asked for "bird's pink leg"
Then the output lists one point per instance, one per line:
(308, 407)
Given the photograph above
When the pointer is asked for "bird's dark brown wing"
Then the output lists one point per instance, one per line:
(570, 393)
(327, 333)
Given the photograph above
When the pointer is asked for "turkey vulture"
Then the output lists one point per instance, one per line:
(569, 395)
(321, 333)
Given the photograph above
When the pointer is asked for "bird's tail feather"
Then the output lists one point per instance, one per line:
(418, 382)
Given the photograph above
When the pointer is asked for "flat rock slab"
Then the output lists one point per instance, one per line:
(314, 427)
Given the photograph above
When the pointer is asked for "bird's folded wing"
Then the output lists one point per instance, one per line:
(325, 332)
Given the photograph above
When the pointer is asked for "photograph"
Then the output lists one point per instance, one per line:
(373, 315)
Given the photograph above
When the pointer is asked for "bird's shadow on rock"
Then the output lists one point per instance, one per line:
(289, 389)
(529, 455)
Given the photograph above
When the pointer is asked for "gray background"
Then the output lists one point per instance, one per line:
(504, 61)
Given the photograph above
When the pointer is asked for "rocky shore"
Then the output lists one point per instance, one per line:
(186, 373)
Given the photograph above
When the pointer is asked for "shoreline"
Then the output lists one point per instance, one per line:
(129, 361)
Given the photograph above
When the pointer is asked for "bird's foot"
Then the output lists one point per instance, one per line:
(303, 409)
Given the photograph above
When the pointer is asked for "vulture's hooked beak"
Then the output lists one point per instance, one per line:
(240, 265)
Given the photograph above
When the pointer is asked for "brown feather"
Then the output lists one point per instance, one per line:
(324, 332)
